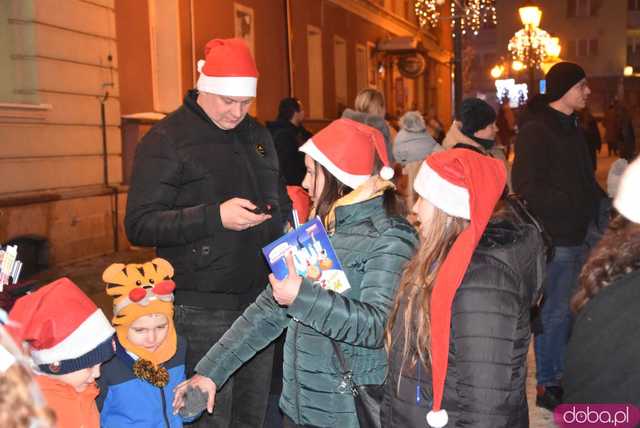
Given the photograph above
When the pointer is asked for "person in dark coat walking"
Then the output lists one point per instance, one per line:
(553, 172)
(613, 127)
(506, 123)
(288, 135)
(459, 329)
(602, 355)
(589, 126)
(198, 177)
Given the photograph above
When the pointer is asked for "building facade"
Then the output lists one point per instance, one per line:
(59, 155)
(84, 79)
(321, 51)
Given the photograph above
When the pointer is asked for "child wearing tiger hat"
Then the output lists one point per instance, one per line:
(136, 386)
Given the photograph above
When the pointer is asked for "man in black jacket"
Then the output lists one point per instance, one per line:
(206, 192)
(552, 171)
(288, 135)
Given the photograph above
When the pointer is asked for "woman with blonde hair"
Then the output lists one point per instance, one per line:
(458, 332)
(370, 109)
(370, 101)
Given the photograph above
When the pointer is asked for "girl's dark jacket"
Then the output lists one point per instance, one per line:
(486, 377)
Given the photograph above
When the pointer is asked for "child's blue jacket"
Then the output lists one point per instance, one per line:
(127, 401)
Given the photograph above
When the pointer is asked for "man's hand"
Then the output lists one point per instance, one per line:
(203, 383)
(286, 291)
(236, 214)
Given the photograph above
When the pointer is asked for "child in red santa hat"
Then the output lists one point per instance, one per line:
(459, 330)
(68, 338)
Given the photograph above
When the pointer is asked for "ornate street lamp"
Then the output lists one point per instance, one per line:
(532, 45)
(530, 15)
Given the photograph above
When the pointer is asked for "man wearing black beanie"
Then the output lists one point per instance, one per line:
(552, 171)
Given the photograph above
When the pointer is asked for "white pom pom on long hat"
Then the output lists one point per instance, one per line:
(200, 65)
(386, 173)
(437, 419)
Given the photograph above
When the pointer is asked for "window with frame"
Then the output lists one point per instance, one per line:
(633, 51)
(316, 86)
(583, 8)
(633, 5)
(571, 49)
(593, 47)
(583, 48)
(340, 70)
(6, 66)
(18, 74)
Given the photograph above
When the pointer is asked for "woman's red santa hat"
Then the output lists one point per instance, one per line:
(228, 69)
(65, 329)
(347, 149)
(463, 184)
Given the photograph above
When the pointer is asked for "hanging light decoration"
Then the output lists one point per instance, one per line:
(426, 12)
(471, 13)
(529, 45)
(474, 14)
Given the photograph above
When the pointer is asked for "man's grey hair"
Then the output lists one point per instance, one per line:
(412, 121)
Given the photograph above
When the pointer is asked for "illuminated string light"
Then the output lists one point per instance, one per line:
(426, 12)
(530, 46)
(472, 14)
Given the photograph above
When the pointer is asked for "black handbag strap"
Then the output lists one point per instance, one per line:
(347, 383)
(343, 362)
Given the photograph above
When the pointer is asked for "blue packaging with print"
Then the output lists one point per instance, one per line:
(313, 256)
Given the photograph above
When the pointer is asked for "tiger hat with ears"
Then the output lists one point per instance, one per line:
(138, 290)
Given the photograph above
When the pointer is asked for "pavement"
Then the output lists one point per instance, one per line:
(87, 274)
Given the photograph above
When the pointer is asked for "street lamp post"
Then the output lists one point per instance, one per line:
(530, 17)
(532, 45)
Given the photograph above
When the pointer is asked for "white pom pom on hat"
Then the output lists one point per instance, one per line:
(387, 173)
(437, 419)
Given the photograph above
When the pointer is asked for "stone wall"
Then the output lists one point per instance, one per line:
(64, 61)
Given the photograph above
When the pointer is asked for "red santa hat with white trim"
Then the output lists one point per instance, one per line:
(228, 69)
(465, 184)
(65, 329)
(347, 149)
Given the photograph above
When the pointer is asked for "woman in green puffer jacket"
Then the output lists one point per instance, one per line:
(373, 242)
